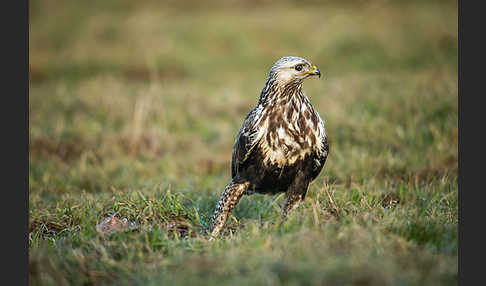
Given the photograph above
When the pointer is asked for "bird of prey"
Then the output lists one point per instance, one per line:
(282, 145)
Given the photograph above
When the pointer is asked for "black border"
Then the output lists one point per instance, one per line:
(15, 141)
(470, 170)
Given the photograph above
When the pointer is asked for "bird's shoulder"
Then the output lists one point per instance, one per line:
(320, 156)
(246, 139)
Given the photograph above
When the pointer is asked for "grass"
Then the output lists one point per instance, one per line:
(134, 107)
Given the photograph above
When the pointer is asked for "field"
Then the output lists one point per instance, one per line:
(133, 111)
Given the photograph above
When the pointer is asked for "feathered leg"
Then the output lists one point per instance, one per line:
(292, 201)
(295, 194)
(227, 202)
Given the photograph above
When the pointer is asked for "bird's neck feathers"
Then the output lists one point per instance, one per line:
(275, 91)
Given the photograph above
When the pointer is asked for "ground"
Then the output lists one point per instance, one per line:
(133, 111)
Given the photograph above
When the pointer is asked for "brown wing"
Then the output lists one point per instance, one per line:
(320, 159)
(244, 143)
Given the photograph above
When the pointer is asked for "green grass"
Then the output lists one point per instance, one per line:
(133, 111)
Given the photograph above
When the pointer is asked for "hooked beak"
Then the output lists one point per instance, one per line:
(315, 71)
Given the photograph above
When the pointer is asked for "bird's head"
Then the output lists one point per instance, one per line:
(291, 69)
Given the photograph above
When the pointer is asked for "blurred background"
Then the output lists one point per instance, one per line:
(123, 92)
(132, 96)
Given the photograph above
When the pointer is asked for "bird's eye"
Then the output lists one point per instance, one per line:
(298, 67)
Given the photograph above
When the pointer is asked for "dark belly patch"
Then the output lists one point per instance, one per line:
(271, 179)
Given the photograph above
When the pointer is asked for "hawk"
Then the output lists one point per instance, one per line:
(282, 145)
